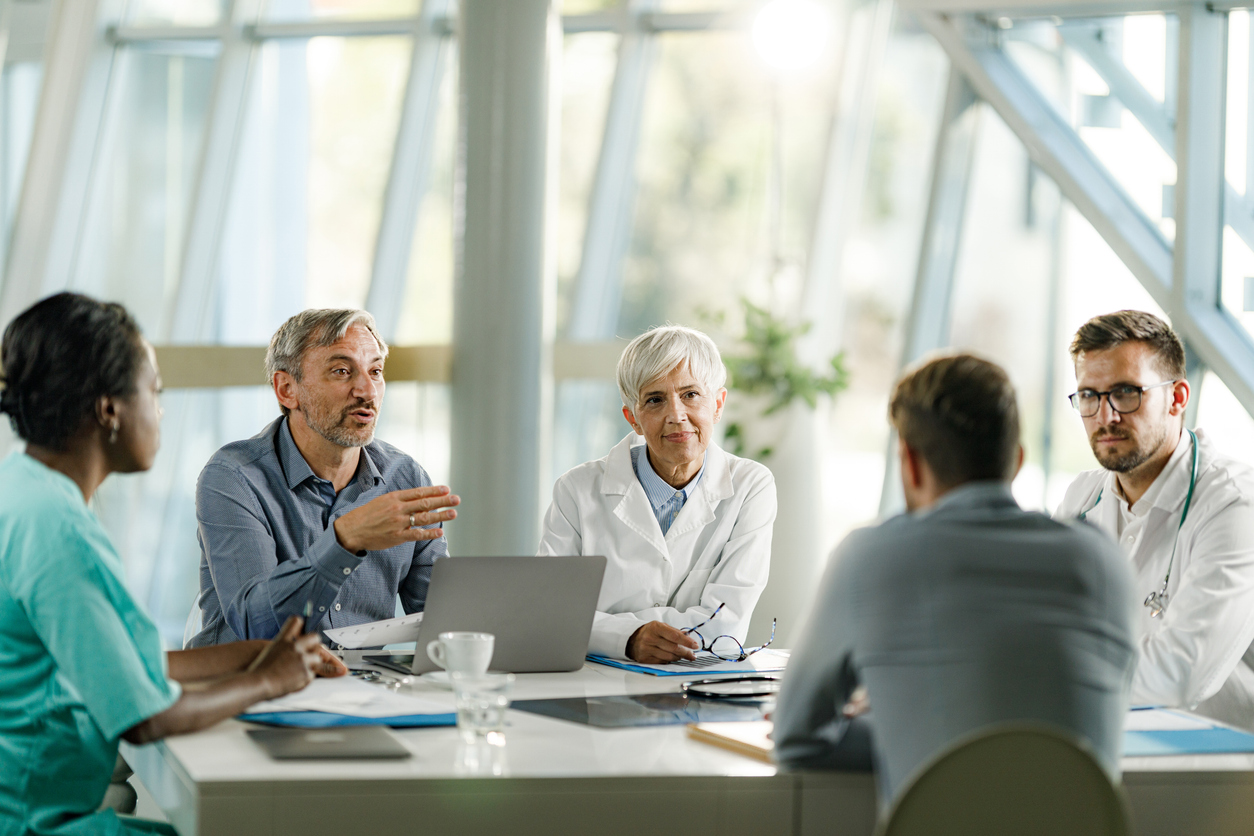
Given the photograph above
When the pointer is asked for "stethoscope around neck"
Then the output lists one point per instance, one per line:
(1157, 601)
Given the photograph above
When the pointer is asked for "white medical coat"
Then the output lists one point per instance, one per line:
(1198, 654)
(718, 550)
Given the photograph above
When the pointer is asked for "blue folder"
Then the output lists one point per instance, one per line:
(690, 672)
(1186, 742)
(323, 719)
(628, 666)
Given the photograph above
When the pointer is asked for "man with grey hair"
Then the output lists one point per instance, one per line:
(685, 526)
(313, 516)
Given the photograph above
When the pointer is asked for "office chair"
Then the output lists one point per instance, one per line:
(1011, 780)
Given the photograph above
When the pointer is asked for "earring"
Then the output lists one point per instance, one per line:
(113, 433)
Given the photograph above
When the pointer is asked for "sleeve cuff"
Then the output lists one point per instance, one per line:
(610, 635)
(331, 560)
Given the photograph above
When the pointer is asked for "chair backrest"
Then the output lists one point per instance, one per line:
(1011, 780)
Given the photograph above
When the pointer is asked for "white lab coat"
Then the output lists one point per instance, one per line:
(717, 551)
(1198, 654)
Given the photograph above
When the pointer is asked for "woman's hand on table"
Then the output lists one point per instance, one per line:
(290, 661)
(657, 643)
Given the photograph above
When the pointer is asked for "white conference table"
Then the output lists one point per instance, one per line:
(556, 777)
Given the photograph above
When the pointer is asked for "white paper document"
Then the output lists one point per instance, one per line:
(349, 695)
(378, 633)
(1162, 719)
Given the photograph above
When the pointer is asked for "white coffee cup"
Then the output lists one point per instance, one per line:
(463, 652)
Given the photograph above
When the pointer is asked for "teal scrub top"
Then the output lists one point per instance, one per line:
(80, 662)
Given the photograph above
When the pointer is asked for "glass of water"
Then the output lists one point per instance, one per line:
(481, 702)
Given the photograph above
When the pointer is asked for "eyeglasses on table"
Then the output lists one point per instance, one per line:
(727, 648)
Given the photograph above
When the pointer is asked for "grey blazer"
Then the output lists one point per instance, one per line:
(970, 613)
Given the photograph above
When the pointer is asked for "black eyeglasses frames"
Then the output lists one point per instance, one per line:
(727, 648)
(1122, 399)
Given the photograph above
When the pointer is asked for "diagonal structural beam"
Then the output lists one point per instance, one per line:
(410, 172)
(927, 327)
(51, 208)
(844, 178)
(1193, 304)
(1153, 115)
(1085, 38)
(1059, 152)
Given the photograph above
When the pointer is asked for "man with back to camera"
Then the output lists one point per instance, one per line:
(964, 612)
(313, 512)
(1165, 490)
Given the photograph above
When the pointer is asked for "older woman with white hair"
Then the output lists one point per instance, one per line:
(685, 525)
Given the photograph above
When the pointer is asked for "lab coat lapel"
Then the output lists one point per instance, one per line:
(714, 487)
(633, 509)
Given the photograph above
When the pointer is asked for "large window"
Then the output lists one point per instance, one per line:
(287, 147)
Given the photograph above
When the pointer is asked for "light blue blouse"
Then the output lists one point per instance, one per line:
(80, 661)
(665, 501)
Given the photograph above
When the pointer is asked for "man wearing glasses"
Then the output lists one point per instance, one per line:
(1181, 511)
(966, 611)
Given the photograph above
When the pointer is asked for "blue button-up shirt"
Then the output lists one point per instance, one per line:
(268, 545)
(666, 501)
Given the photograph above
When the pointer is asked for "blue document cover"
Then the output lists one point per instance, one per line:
(628, 666)
(322, 720)
(1210, 741)
(766, 661)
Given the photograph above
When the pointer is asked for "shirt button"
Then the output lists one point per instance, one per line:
(348, 571)
(337, 607)
(322, 609)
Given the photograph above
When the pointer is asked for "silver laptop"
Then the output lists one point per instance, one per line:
(539, 608)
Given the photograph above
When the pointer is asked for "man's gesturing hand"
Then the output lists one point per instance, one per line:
(384, 521)
(657, 643)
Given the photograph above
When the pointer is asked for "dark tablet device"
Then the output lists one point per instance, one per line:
(347, 742)
(642, 710)
(399, 662)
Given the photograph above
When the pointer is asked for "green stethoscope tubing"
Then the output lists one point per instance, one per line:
(1157, 601)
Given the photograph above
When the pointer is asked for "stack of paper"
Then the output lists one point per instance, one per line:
(349, 701)
(378, 633)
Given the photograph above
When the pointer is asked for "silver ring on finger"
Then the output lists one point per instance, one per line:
(411, 521)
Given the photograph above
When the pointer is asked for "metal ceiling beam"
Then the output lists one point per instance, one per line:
(1157, 120)
(1059, 152)
(1193, 302)
(444, 25)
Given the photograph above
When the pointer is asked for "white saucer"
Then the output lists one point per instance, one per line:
(439, 679)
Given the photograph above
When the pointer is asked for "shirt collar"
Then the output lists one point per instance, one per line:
(297, 470)
(655, 487)
(986, 492)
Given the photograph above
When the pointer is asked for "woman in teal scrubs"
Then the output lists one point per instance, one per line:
(81, 664)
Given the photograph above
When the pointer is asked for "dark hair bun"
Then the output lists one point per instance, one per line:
(59, 357)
